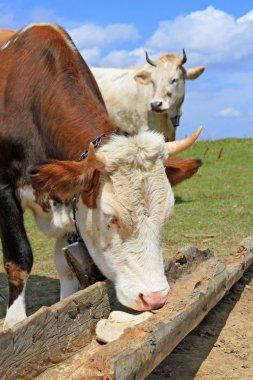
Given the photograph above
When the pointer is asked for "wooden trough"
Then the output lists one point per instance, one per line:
(59, 342)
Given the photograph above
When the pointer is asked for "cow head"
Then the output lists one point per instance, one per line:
(123, 233)
(167, 77)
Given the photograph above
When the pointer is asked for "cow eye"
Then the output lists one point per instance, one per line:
(174, 80)
(112, 220)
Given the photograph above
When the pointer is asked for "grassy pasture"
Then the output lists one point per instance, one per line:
(213, 209)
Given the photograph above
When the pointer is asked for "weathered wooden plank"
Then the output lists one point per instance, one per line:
(140, 349)
(54, 334)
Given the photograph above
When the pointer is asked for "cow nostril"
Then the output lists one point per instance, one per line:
(153, 301)
(142, 299)
(156, 104)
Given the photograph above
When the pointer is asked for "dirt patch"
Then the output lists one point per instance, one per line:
(221, 347)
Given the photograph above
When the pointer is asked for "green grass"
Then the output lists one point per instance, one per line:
(42, 246)
(213, 209)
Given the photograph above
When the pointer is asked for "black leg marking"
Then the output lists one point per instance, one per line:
(18, 258)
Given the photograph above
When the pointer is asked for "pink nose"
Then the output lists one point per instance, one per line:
(154, 300)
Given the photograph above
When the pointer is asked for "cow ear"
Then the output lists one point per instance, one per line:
(178, 169)
(143, 77)
(58, 179)
(194, 72)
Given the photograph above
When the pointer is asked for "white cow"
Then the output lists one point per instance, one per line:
(147, 98)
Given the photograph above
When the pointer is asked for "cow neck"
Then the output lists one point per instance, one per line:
(67, 136)
(53, 89)
(99, 140)
(67, 106)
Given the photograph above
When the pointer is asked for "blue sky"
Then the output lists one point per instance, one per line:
(216, 34)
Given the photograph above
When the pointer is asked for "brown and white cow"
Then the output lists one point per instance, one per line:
(50, 112)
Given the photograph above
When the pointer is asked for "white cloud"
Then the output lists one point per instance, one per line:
(210, 37)
(92, 39)
(90, 35)
(115, 58)
(123, 58)
(229, 112)
(247, 17)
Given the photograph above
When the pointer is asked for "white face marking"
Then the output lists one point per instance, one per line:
(16, 312)
(124, 233)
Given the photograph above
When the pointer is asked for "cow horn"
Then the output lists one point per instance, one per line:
(184, 59)
(152, 63)
(175, 147)
(96, 160)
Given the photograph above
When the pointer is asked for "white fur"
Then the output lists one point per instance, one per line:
(136, 190)
(16, 312)
(128, 102)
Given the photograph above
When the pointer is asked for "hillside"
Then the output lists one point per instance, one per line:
(214, 208)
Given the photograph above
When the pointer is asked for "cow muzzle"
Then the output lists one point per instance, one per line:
(157, 106)
(152, 301)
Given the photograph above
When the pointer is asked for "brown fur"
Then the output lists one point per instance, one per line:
(178, 169)
(59, 179)
(63, 180)
(49, 98)
(16, 275)
(16, 279)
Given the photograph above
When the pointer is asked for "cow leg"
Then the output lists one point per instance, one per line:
(18, 258)
(68, 280)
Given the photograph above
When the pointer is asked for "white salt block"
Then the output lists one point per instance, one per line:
(112, 328)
